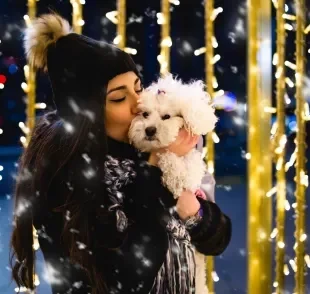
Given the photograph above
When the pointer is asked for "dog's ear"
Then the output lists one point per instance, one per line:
(198, 114)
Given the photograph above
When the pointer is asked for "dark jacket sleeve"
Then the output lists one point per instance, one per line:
(212, 234)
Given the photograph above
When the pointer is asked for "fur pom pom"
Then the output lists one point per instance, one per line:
(45, 30)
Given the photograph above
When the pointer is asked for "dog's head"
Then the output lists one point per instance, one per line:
(166, 106)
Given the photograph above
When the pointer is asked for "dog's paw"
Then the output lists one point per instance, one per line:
(174, 172)
(196, 169)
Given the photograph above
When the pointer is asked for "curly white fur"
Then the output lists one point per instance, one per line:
(167, 106)
(44, 30)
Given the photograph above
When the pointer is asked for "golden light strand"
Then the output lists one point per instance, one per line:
(77, 15)
(280, 150)
(29, 88)
(259, 157)
(121, 24)
(119, 19)
(300, 144)
(209, 56)
(165, 43)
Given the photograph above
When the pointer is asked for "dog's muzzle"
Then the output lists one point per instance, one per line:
(150, 133)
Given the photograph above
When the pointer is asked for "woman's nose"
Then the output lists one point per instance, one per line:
(134, 107)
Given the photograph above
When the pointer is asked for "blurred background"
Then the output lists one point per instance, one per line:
(143, 34)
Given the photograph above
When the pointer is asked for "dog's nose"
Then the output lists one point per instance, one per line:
(150, 131)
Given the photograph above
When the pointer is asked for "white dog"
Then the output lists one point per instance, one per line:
(165, 107)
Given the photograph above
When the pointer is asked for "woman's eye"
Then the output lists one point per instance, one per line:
(145, 114)
(139, 91)
(118, 100)
(166, 116)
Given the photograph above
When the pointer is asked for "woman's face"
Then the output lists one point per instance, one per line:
(121, 104)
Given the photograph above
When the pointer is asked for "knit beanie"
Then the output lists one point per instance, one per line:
(79, 67)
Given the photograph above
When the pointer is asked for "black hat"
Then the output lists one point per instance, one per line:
(79, 67)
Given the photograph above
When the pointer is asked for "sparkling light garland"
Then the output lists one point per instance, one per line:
(119, 19)
(280, 140)
(259, 157)
(163, 19)
(29, 86)
(77, 15)
(301, 183)
(121, 24)
(210, 16)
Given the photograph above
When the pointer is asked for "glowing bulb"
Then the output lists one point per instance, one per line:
(131, 51)
(160, 18)
(23, 139)
(275, 284)
(290, 65)
(216, 58)
(288, 27)
(1, 131)
(1, 168)
(303, 237)
(307, 260)
(117, 39)
(200, 51)
(287, 205)
(175, 2)
(289, 16)
(36, 280)
(219, 93)
(286, 270)
(167, 42)
(40, 105)
(216, 12)
(82, 2)
(289, 82)
(275, 59)
(281, 244)
(248, 156)
(1, 86)
(112, 16)
(24, 87)
(307, 29)
(214, 42)
(81, 22)
(214, 83)
(215, 277)
(215, 138)
(271, 192)
(274, 233)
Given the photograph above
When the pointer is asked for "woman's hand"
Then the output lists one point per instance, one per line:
(183, 144)
(187, 205)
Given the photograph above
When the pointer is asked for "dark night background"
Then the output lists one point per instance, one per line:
(143, 34)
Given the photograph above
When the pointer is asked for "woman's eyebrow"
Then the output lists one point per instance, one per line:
(123, 87)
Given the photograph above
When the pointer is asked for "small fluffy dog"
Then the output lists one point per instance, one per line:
(165, 107)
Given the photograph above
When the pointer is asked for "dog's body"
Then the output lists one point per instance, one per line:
(166, 107)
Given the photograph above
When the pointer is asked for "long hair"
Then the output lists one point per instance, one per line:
(54, 156)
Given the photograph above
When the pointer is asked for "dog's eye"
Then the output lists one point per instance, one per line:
(166, 116)
(145, 114)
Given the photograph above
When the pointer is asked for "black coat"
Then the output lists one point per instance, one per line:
(129, 260)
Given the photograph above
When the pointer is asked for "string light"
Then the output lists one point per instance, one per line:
(300, 149)
(166, 43)
(280, 142)
(211, 43)
(259, 164)
(77, 16)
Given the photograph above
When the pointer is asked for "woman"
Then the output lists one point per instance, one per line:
(105, 223)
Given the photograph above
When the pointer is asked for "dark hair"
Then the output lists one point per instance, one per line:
(52, 156)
